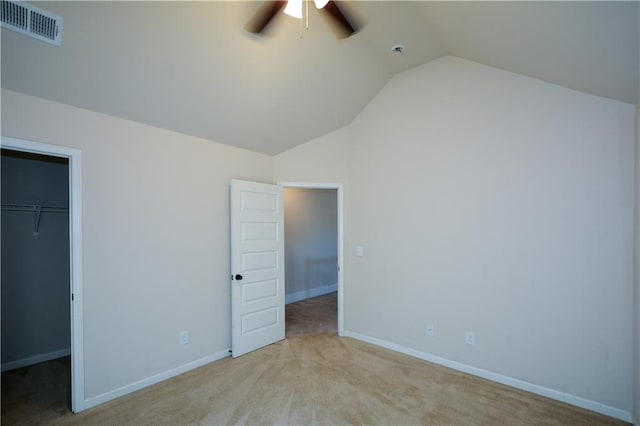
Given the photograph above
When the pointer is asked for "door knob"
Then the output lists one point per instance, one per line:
(238, 277)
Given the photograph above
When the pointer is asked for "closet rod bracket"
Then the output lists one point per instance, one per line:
(36, 226)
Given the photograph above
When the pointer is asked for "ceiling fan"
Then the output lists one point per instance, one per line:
(344, 25)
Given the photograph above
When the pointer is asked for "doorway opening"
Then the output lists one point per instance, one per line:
(313, 257)
(42, 271)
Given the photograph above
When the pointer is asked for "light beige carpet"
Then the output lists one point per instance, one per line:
(314, 377)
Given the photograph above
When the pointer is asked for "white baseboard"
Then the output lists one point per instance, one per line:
(499, 378)
(306, 294)
(127, 389)
(35, 359)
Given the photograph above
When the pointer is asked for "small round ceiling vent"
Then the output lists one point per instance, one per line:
(398, 49)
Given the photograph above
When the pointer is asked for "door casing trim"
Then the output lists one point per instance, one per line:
(75, 250)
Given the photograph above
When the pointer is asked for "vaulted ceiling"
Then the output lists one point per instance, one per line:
(192, 68)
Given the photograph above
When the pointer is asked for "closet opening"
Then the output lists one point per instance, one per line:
(35, 289)
(42, 353)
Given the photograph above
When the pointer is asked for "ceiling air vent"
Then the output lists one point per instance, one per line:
(29, 20)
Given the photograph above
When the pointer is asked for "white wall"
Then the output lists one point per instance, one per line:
(311, 242)
(323, 160)
(35, 269)
(496, 203)
(156, 237)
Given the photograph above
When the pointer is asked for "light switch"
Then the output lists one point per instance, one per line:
(359, 251)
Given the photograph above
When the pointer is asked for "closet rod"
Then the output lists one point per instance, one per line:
(37, 209)
(34, 208)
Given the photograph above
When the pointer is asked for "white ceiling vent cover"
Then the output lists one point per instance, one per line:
(29, 20)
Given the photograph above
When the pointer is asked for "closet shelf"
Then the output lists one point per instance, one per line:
(37, 210)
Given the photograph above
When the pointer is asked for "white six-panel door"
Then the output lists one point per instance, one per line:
(257, 266)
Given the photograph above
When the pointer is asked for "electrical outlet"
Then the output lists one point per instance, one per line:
(429, 330)
(184, 337)
(470, 338)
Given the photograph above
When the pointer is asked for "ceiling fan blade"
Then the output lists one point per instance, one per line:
(264, 15)
(343, 23)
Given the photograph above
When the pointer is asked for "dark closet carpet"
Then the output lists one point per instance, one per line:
(38, 393)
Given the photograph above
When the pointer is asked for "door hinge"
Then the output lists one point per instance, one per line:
(72, 297)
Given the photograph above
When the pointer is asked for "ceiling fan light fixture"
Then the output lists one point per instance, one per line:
(294, 8)
(320, 3)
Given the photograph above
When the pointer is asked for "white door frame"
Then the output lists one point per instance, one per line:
(340, 200)
(75, 249)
